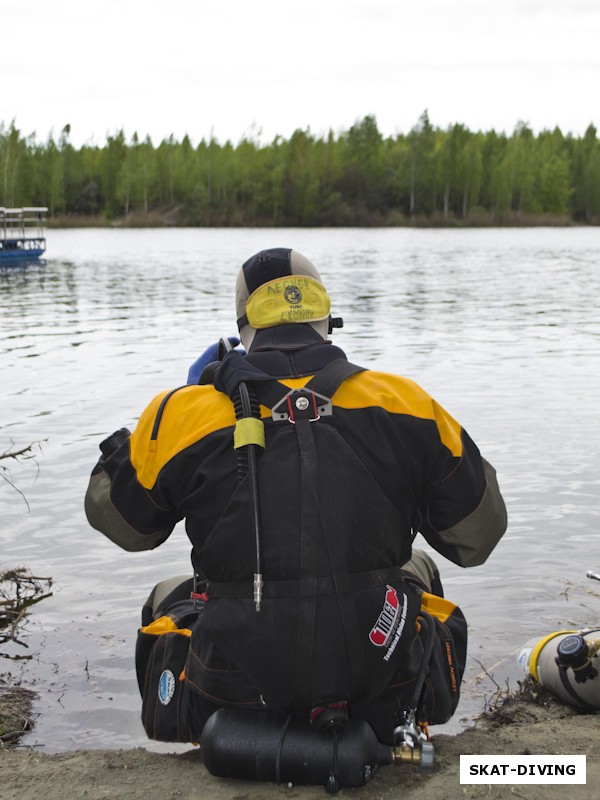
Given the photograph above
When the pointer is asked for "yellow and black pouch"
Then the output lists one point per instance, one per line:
(161, 653)
(441, 690)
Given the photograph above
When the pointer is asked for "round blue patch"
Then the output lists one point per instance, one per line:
(166, 687)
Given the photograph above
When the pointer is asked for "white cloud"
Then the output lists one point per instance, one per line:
(192, 65)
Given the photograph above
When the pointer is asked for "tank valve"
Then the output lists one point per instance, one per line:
(422, 756)
(411, 745)
(576, 652)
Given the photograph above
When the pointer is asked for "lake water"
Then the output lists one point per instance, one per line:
(500, 326)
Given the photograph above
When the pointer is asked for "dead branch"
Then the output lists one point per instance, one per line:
(23, 454)
(19, 590)
(16, 454)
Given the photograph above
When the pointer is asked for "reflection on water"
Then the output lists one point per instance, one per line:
(501, 326)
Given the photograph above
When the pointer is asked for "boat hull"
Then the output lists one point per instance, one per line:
(22, 249)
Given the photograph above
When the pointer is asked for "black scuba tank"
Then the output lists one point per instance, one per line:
(260, 745)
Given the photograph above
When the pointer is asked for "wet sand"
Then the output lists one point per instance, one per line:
(521, 726)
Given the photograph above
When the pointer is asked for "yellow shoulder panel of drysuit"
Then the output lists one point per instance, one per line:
(190, 414)
(194, 412)
(399, 395)
(437, 606)
(394, 394)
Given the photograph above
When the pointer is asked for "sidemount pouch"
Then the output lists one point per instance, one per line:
(441, 691)
(160, 656)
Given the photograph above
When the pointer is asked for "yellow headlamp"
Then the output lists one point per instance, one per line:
(296, 298)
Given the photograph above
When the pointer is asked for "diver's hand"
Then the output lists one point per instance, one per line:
(114, 441)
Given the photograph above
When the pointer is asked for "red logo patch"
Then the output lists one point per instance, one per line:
(387, 621)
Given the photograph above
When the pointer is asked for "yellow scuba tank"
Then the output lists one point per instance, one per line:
(566, 663)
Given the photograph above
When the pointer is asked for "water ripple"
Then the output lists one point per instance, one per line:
(501, 326)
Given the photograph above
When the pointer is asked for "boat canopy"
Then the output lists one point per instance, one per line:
(19, 220)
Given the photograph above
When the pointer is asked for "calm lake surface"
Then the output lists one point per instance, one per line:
(500, 326)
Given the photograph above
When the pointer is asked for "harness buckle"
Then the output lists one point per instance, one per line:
(302, 404)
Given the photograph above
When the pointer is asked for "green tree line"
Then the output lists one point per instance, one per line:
(357, 177)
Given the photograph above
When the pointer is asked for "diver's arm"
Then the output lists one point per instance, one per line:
(119, 506)
(463, 515)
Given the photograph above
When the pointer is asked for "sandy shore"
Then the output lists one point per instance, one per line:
(521, 726)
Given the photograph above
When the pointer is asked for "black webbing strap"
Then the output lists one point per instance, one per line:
(298, 588)
(337, 559)
(269, 393)
(309, 543)
(326, 382)
(579, 701)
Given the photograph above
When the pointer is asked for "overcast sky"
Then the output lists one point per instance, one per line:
(250, 67)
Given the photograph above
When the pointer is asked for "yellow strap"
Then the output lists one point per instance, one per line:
(249, 431)
(535, 653)
(164, 625)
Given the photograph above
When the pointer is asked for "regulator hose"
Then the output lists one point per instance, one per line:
(246, 406)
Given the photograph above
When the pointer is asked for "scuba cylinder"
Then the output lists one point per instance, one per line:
(264, 746)
(567, 664)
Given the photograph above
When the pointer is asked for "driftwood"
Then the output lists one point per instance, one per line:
(19, 591)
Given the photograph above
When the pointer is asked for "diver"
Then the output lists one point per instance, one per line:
(303, 480)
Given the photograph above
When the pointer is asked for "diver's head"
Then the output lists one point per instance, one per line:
(280, 287)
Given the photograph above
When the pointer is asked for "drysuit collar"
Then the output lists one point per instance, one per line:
(307, 358)
(286, 337)
(291, 351)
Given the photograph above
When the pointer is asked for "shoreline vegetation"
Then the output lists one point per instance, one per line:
(174, 218)
(428, 177)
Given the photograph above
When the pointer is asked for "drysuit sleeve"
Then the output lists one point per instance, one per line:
(463, 515)
(119, 506)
